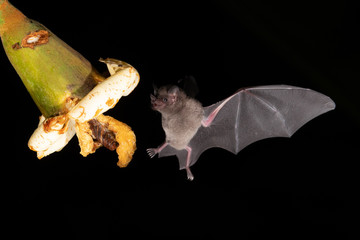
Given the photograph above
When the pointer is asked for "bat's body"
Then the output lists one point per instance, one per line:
(249, 115)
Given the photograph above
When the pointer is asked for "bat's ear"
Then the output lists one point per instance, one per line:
(189, 85)
(173, 90)
(173, 93)
(156, 89)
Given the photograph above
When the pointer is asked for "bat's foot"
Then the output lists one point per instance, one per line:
(190, 176)
(152, 152)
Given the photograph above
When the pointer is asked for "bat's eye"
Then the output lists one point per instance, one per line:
(164, 100)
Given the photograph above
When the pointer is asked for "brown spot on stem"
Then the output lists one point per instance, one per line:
(36, 38)
(16, 46)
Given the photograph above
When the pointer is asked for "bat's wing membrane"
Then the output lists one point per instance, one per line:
(180, 154)
(253, 114)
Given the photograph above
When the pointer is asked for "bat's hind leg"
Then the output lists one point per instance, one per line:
(187, 167)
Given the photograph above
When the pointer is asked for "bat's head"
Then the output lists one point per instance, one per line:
(166, 99)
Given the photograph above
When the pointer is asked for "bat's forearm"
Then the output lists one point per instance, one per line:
(206, 122)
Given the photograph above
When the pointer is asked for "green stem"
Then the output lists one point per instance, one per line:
(50, 69)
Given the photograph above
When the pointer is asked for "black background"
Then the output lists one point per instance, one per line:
(298, 188)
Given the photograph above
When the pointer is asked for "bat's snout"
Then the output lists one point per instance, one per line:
(152, 98)
(156, 104)
(153, 101)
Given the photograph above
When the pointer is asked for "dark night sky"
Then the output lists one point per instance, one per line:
(298, 188)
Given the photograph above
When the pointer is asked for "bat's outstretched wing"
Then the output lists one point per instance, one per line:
(252, 114)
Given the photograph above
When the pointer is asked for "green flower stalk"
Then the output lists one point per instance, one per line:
(50, 69)
(70, 94)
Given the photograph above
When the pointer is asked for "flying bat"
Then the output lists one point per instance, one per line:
(247, 116)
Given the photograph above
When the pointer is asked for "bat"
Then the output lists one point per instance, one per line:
(247, 116)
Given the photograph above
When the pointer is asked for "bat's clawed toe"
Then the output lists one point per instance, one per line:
(151, 152)
(190, 176)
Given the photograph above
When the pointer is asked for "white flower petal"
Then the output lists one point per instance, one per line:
(48, 139)
(106, 94)
(54, 133)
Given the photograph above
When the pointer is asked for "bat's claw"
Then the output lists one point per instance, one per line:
(151, 152)
(190, 176)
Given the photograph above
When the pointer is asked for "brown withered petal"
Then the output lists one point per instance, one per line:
(124, 136)
(86, 142)
(107, 131)
(103, 135)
